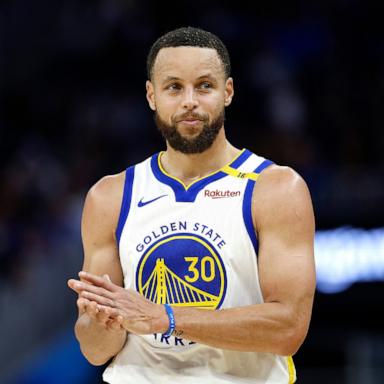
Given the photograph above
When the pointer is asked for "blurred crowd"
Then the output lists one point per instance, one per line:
(309, 81)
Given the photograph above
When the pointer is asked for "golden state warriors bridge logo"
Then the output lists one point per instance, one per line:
(182, 270)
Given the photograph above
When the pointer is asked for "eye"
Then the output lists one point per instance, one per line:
(205, 85)
(173, 87)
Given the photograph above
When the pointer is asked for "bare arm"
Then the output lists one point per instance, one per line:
(100, 336)
(283, 218)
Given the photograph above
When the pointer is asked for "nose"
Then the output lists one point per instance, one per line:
(190, 100)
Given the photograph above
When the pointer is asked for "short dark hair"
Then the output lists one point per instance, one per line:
(191, 37)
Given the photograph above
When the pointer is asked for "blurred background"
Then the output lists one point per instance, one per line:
(309, 82)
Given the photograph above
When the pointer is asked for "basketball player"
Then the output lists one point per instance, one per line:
(198, 262)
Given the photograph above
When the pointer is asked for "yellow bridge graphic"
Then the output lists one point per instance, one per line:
(165, 287)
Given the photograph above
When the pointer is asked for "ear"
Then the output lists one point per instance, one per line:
(229, 91)
(150, 95)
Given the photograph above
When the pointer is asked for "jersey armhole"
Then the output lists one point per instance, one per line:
(126, 201)
(247, 205)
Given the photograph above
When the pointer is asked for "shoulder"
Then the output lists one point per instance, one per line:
(281, 192)
(104, 197)
(277, 179)
(107, 188)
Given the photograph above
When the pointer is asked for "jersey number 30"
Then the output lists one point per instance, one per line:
(207, 268)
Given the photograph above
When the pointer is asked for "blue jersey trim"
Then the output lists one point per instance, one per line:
(126, 203)
(247, 205)
(263, 165)
(189, 195)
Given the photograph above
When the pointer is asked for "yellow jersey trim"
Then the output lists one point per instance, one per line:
(186, 187)
(291, 370)
(241, 175)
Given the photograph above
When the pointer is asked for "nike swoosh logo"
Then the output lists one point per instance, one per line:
(141, 203)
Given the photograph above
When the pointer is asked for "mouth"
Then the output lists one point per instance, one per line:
(190, 121)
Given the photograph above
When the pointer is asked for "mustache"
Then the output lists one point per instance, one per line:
(191, 116)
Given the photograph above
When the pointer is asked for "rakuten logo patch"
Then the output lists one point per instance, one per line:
(216, 194)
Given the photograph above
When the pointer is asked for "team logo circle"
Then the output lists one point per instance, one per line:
(182, 270)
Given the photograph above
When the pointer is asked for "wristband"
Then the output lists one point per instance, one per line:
(171, 318)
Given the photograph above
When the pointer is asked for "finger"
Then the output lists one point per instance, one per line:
(72, 283)
(92, 310)
(115, 324)
(104, 314)
(80, 286)
(82, 304)
(100, 314)
(106, 276)
(113, 313)
(77, 285)
(98, 298)
(99, 281)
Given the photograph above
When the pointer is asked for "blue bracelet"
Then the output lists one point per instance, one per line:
(172, 323)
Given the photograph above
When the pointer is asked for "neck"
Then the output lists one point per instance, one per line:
(189, 167)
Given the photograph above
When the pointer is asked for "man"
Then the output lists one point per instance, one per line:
(198, 262)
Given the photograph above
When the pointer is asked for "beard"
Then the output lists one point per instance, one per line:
(197, 144)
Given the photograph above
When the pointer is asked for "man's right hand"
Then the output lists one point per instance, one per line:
(100, 335)
(99, 315)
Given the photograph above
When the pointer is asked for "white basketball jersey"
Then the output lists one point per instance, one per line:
(192, 246)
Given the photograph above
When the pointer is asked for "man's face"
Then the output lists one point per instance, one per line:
(188, 92)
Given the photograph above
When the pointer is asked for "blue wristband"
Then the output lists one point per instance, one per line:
(172, 323)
